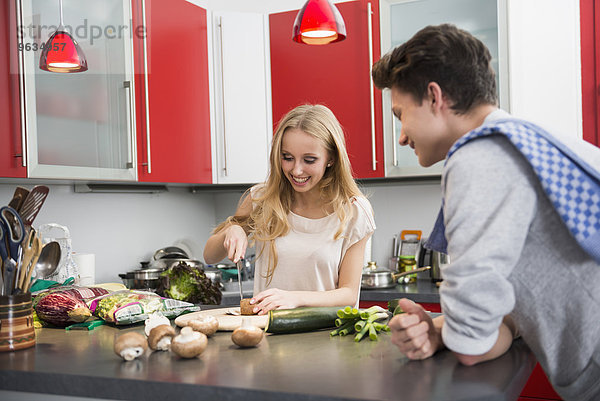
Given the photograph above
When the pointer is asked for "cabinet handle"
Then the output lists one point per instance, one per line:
(223, 98)
(22, 93)
(394, 144)
(371, 90)
(130, 118)
(147, 95)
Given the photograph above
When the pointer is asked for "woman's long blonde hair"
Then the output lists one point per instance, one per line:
(272, 203)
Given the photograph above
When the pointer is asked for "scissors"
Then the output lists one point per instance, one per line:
(14, 232)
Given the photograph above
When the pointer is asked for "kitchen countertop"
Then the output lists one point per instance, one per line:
(424, 290)
(306, 366)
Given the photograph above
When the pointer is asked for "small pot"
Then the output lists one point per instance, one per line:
(145, 279)
(384, 278)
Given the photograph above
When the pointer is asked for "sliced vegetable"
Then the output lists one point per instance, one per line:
(283, 321)
(360, 321)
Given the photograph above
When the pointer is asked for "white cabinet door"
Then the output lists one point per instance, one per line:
(545, 64)
(242, 126)
(80, 125)
(400, 20)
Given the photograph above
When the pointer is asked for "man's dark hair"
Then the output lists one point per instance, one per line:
(451, 57)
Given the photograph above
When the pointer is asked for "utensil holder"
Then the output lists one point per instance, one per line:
(16, 322)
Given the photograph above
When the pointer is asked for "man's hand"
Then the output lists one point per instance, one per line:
(414, 332)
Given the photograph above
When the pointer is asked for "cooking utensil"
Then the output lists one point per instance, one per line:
(9, 273)
(48, 260)
(33, 203)
(240, 266)
(18, 198)
(15, 230)
(384, 278)
(32, 246)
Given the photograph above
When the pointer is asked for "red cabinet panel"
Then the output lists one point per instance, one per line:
(538, 387)
(590, 69)
(178, 84)
(336, 75)
(11, 152)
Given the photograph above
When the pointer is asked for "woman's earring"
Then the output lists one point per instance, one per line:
(328, 164)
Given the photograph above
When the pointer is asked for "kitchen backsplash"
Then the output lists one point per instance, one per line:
(123, 229)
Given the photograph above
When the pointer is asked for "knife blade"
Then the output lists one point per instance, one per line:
(240, 266)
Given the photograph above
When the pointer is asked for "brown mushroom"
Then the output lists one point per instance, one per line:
(155, 319)
(205, 324)
(130, 345)
(247, 335)
(189, 343)
(160, 337)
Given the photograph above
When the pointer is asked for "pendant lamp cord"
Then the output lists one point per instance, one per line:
(60, 7)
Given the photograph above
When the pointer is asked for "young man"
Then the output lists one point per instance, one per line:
(520, 217)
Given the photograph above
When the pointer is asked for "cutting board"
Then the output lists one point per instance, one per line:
(226, 322)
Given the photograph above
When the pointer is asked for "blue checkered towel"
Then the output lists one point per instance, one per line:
(572, 185)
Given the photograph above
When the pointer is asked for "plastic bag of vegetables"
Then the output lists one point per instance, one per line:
(188, 283)
(127, 307)
(62, 306)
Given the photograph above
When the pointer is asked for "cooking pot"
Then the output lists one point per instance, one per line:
(384, 278)
(146, 279)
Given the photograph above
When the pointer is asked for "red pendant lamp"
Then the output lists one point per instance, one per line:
(318, 23)
(61, 51)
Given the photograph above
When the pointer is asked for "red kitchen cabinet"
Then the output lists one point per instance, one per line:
(590, 69)
(538, 387)
(173, 143)
(11, 145)
(336, 75)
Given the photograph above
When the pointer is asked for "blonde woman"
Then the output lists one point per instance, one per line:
(309, 220)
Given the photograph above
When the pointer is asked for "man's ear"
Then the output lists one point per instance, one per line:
(435, 96)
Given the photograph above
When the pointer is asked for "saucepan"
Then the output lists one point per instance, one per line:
(384, 278)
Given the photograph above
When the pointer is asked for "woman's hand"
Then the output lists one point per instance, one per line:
(414, 332)
(235, 243)
(274, 298)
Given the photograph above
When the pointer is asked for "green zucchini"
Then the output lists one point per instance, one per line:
(284, 321)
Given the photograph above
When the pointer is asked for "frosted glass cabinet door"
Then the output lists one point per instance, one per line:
(80, 125)
(400, 20)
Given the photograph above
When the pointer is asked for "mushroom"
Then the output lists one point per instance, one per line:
(206, 324)
(130, 345)
(154, 320)
(189, 343)
(160, 337)
(247, 335)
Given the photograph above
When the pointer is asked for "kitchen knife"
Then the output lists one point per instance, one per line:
(240, 266)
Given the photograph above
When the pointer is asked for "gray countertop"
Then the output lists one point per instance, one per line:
(424, 290)
(307, 366)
